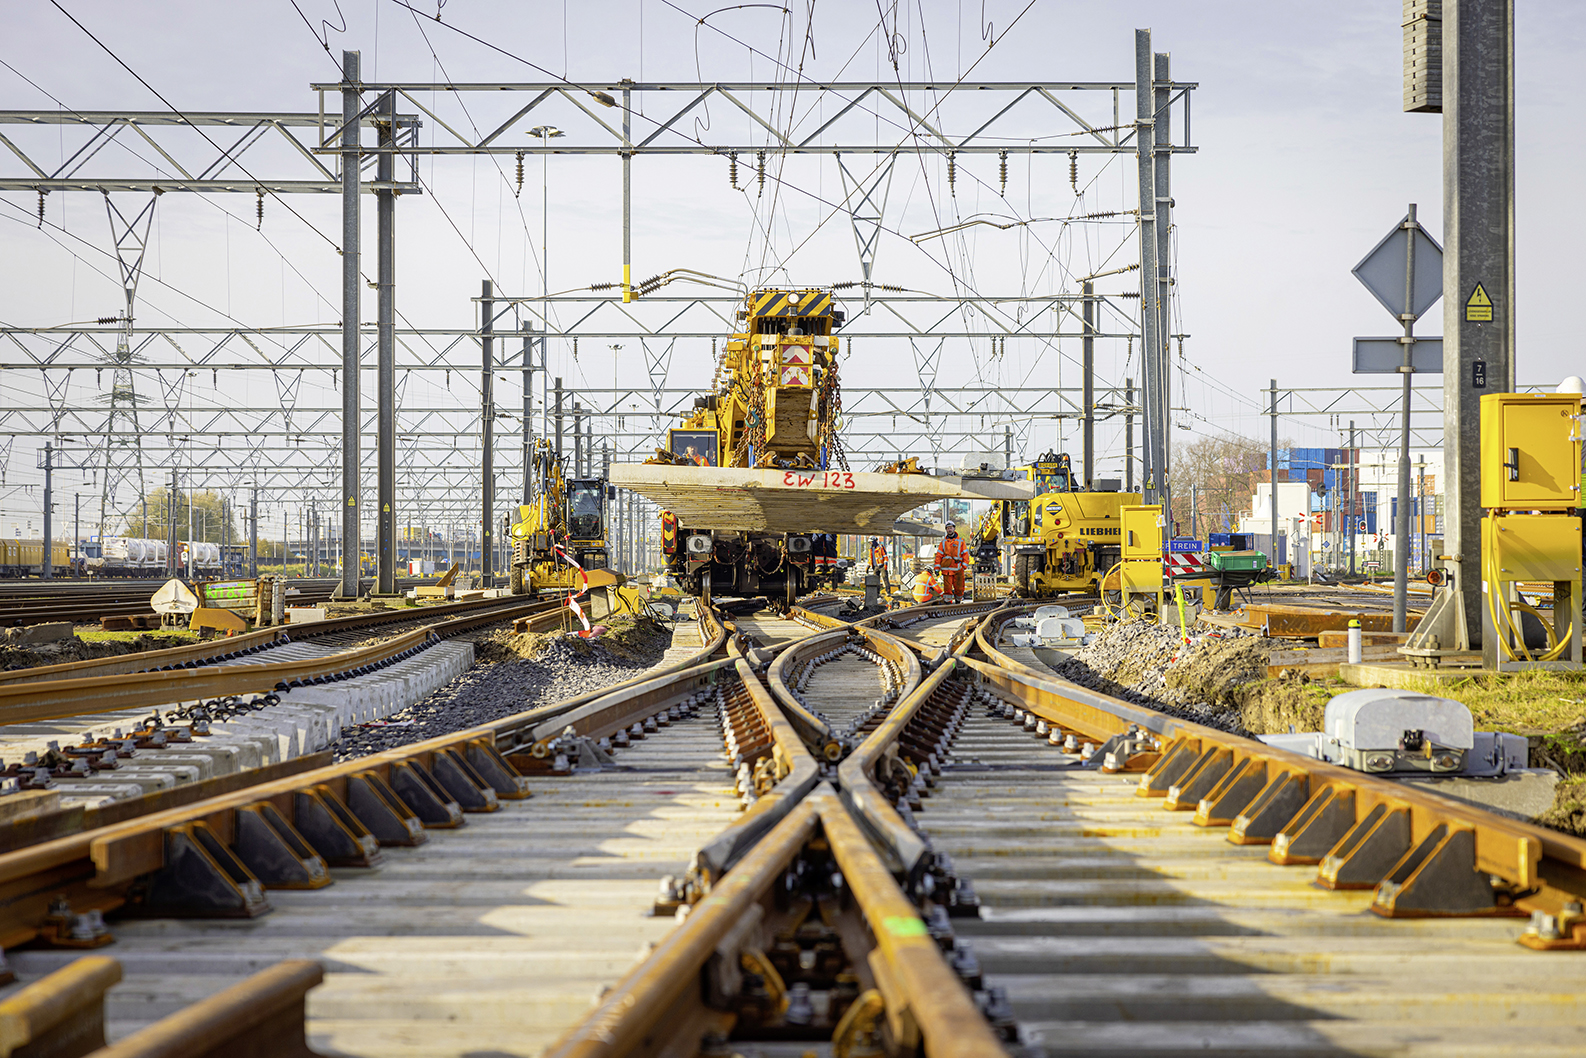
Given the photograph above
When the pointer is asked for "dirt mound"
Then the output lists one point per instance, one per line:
(626, 640)
(1218, 678)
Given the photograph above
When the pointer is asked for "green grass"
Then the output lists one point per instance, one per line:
(169, 637)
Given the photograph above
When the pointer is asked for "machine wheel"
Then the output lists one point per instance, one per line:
(1022, 568)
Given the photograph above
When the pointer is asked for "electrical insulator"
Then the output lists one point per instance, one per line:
(519, 192)
(41, 208)
(1002, 170)
(760, 168)
(732, 169)
(952, 171)
(1073, 170)
(259, 224)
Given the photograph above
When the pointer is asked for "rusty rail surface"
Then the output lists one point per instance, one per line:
(61, 698)
(251, 642)
(1423, 854)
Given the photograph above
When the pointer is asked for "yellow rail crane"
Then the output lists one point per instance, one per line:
(754, 485)
(565, 521)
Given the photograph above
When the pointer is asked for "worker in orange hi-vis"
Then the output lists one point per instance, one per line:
(878, 563)
(951, 558)
(925, 586)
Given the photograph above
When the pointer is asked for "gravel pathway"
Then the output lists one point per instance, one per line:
(490, 692)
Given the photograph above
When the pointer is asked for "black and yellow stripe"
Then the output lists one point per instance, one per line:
(780, 303)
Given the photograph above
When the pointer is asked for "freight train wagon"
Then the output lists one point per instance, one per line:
(25, 558)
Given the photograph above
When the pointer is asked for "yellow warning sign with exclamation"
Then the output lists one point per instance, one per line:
(1478, 307)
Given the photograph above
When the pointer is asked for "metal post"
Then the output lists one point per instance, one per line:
(558, 419)
(351, 284)
(1162, 158)
(1420, 509)
(1088, 353)
(77, 531)
(1478, 253)
(487, 492)
(528, 411)
(385, 439)
(578, 440)
(627, 194)
(253, 534)
(1150, 287)
(1195, 497)
(1128, 435)
(1274, 474)
(1349, 520)
(1401, 523)
(46, 570)
(170, 526)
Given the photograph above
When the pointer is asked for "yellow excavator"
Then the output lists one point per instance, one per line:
(1064, 540)
(565, 518)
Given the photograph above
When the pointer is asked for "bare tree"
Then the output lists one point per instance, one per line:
(1220, 473)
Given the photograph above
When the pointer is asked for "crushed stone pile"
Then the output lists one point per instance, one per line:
(1219, 678)
(563, 667)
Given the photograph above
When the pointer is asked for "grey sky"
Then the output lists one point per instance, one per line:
(1305, 161)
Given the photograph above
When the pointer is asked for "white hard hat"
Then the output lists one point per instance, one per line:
(950, 525)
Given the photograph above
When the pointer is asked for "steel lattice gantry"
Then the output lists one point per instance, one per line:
(270, 154)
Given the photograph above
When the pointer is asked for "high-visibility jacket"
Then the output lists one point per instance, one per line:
(925, 588)
(878, 556)
(951, 554)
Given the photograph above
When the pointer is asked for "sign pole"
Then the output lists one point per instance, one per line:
(1401, 523)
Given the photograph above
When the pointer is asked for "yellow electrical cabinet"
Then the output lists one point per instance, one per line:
(1532, 547)
(1142, 548)
(1530, 451)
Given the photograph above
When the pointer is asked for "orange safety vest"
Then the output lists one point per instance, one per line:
(925, 588)
(951, 554)
(878, 556)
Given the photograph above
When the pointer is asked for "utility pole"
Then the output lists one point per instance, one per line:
(46, 567)
(1162, 186)
(1088, 352)
(528, 410)
(558, 417)
(351, 358)
(578, 440)
(385, 327)
(170, 526)
(1128, 435)
(77, 530)
(253, 533)
(1274, 476)
(627, 191)
(487, 436)
(1353, 460)
(1478, 264)
(1150, 287)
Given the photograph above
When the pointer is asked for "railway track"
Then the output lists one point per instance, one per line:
(940, 846)
(37, 602)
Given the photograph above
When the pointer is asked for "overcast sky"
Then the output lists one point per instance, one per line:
(1305, 160)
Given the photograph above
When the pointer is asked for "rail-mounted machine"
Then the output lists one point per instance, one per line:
(565, 520)
(754, 483)
(1065, 539)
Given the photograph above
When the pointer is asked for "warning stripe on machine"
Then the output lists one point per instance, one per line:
(777, 303)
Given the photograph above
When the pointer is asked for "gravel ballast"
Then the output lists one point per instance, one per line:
(565, 668)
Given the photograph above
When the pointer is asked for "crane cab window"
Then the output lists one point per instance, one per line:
(584, 510)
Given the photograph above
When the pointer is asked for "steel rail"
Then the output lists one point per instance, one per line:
(61, 698)
(658, 1006)
(232, 646)
(1422, 854)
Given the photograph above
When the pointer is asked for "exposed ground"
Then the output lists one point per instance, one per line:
(514, 673)
(88, 643)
